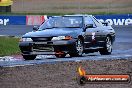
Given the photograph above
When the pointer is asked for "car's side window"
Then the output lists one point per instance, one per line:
(88, 20)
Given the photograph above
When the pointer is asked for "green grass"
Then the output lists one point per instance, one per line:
(51, 14)
(25, 13)
(9, 46)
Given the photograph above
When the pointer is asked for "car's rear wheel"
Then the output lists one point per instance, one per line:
(29, 57)
(108, 47)
(78, 49)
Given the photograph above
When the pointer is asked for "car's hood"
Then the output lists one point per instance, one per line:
(55, 32)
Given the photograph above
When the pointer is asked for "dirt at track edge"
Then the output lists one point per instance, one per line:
(63, 74)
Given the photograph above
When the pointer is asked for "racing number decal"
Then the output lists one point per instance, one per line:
(93, 36)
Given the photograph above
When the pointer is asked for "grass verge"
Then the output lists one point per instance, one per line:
(9, 46)
(51, 14)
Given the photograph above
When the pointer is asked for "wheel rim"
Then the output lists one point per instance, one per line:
(79, 47)
(108, 44)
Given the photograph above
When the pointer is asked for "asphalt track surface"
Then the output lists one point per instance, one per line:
(122, 48)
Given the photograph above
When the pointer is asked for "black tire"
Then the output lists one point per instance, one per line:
(60, 55)
(78, 49)
(107, 50)
(29, 57)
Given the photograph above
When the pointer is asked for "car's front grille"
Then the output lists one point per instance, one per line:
(41, 39)
(42, 48)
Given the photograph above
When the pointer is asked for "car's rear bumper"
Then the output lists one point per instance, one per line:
(48, 48)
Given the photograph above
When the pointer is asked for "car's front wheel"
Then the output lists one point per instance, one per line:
(78, 49)
(29, 57)
(108, 47)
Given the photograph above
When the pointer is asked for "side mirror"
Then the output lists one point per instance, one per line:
(89, 26)
(35, 28)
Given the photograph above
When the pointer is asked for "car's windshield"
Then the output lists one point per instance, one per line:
(62, 22)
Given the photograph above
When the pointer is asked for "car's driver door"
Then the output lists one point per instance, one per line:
(91, 33)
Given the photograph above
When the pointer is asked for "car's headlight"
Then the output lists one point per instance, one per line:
(62, 38)
(26, 40)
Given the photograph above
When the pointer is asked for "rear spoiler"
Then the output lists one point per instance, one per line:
(105, 23)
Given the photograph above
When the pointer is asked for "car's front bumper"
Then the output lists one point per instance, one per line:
(48, 47)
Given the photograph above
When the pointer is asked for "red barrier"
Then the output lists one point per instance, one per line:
(35, 19)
